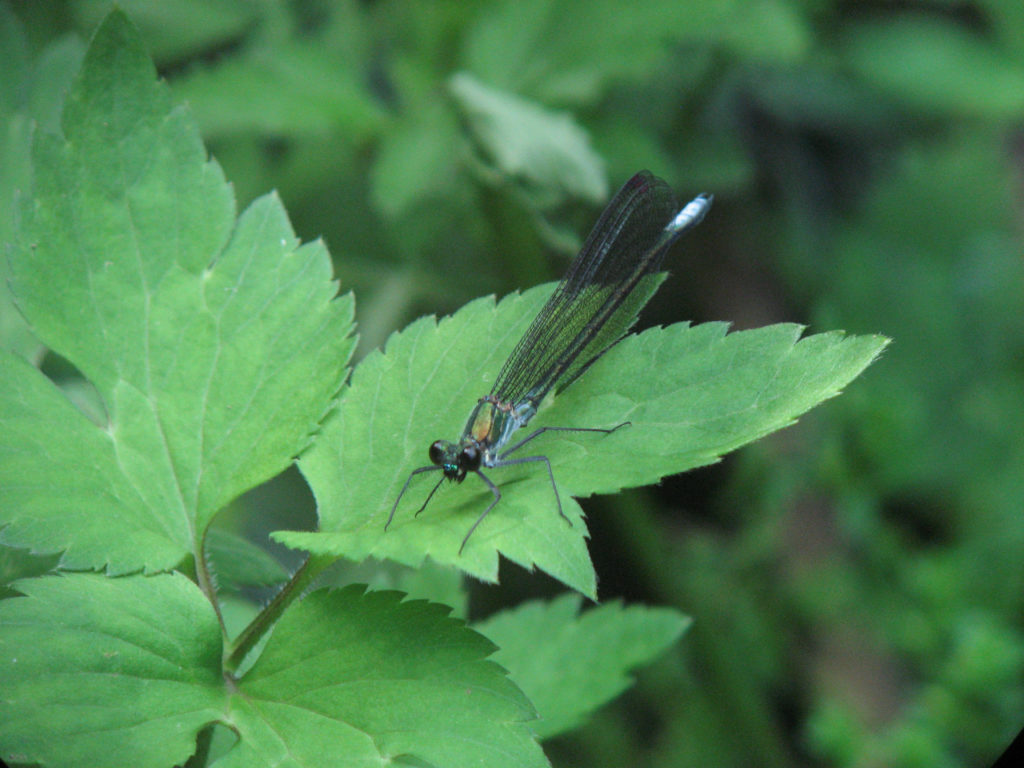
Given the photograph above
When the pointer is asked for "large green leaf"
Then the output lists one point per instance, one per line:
(126, 672)
(689, 393)
(370, 678)
(99, 671)
(215, 345)
(570, 664)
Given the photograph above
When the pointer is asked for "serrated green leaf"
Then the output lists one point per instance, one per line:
(358, 464)
(569, 664)
(61, 486)
(216, 345)
(114, 672)
(430, 581)
(126, 672)
(690, 395)
(370, 677)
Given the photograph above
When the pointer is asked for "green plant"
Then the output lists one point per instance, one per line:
(215, 351)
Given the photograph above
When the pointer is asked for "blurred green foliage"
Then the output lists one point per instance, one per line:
(856, 582)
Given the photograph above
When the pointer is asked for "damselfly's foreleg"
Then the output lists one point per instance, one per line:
(405, 487)
(429, 496)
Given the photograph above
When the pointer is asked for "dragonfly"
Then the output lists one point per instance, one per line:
(611, 279)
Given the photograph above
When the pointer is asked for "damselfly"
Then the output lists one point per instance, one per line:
(607, 285)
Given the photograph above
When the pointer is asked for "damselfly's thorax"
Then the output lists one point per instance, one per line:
(490, 425)
(488, 428)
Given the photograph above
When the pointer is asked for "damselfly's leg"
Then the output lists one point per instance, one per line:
(429, 496)
(504, 462)
(554, 487)
(406, 487)
(541, 430)
(497, 498)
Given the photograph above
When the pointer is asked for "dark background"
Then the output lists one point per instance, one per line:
(857, 581)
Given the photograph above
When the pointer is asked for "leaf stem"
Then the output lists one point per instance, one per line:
(205, 579)
(303, 577)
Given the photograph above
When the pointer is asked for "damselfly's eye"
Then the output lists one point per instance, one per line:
(437, 452)
(469, 459)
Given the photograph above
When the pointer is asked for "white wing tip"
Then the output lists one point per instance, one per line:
(692, 214)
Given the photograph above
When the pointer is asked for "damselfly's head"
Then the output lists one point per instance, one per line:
(455, 459)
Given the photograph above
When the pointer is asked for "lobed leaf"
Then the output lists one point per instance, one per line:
(126, 672)
(100, 671)
(215, 345)
(689, 393)
(369, 677)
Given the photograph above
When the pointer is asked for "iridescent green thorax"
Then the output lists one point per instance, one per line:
(492, 422)
(489, 427)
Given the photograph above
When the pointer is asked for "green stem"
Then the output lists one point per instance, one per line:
(258, 627)
(205, 580)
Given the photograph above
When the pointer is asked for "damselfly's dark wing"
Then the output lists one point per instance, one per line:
(607, 285)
